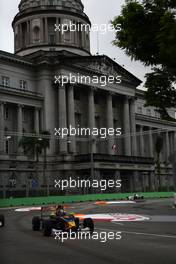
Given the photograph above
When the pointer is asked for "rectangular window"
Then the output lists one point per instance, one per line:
(5, 81)
(157, 114)
(25, 115)
(52, 39)
(7, 146)
(139, 109)
(77, 95)
(6, 113)
(23, 85)
(148, 111)
(96, 99)
(97, 122)
(78, 119)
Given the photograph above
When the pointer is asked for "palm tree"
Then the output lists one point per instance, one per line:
(37, 144)
(31, 144)
(158, 149)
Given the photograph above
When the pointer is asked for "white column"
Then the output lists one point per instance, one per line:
(1, 127)
(141, 141)
(19, 124)
(28, 33)
(175, 141)
(167, 145)
(21, 40)
(71, 117)
(91, 114)
(57, 32)
(42, 31)
(151, 142)
(31, 33)
(126, 120)
(46, 29)
(36, 120)
(48, 113)
(110, 123)
(62, 116)
(20, 121)
(133, 127)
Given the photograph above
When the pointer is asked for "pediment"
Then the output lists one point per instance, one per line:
(105, 66)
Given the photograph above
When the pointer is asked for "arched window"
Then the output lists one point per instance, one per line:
(67, 36)
(51, 2)
(36, 34)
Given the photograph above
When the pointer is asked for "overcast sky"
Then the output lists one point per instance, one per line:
(99, 12)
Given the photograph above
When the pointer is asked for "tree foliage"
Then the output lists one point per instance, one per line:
(148, 34)
(36, 144)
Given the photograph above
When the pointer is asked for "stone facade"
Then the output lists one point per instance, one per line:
(31, 101)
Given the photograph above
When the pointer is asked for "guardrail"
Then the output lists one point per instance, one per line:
(12, 202)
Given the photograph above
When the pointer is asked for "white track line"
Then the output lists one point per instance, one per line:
(138, 233)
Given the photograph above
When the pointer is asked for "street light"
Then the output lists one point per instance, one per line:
(92, 141)
(5, 138)
(8, 137)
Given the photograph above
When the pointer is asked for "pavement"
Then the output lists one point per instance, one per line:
(152, 241)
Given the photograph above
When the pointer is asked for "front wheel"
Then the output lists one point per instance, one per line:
(2, 220)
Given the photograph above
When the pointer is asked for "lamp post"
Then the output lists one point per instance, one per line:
(3, 177)
(91, 142)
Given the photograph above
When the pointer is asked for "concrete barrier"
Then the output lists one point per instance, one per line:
(175, 200)
(12, 202)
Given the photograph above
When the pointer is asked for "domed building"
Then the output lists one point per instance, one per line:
(34, 27)
(52, 83)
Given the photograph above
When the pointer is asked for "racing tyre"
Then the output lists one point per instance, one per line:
(36, 223)
(2, 221)
(77, 223)
(47, 229)
(88, 222)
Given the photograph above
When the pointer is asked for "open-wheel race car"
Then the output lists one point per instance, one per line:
(2, 220)
(55, 218)
(135, 197)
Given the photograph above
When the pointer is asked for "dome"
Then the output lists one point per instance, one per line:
(71, 5)
(35, 27)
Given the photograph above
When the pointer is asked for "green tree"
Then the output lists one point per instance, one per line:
(148, 34)
(36, 144)
(31, 145)
(158, 149)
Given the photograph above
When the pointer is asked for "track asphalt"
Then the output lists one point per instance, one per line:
(145, 242)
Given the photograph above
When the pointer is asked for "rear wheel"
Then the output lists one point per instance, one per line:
(2, 220)
(47, 228)
(36, 223)
(88, 222)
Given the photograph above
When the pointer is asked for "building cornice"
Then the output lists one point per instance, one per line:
(9, 57)
(154, 120)
(50, 10)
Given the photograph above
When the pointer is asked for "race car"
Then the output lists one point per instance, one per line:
(135, 197)
(59, 220)
(2, 220)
